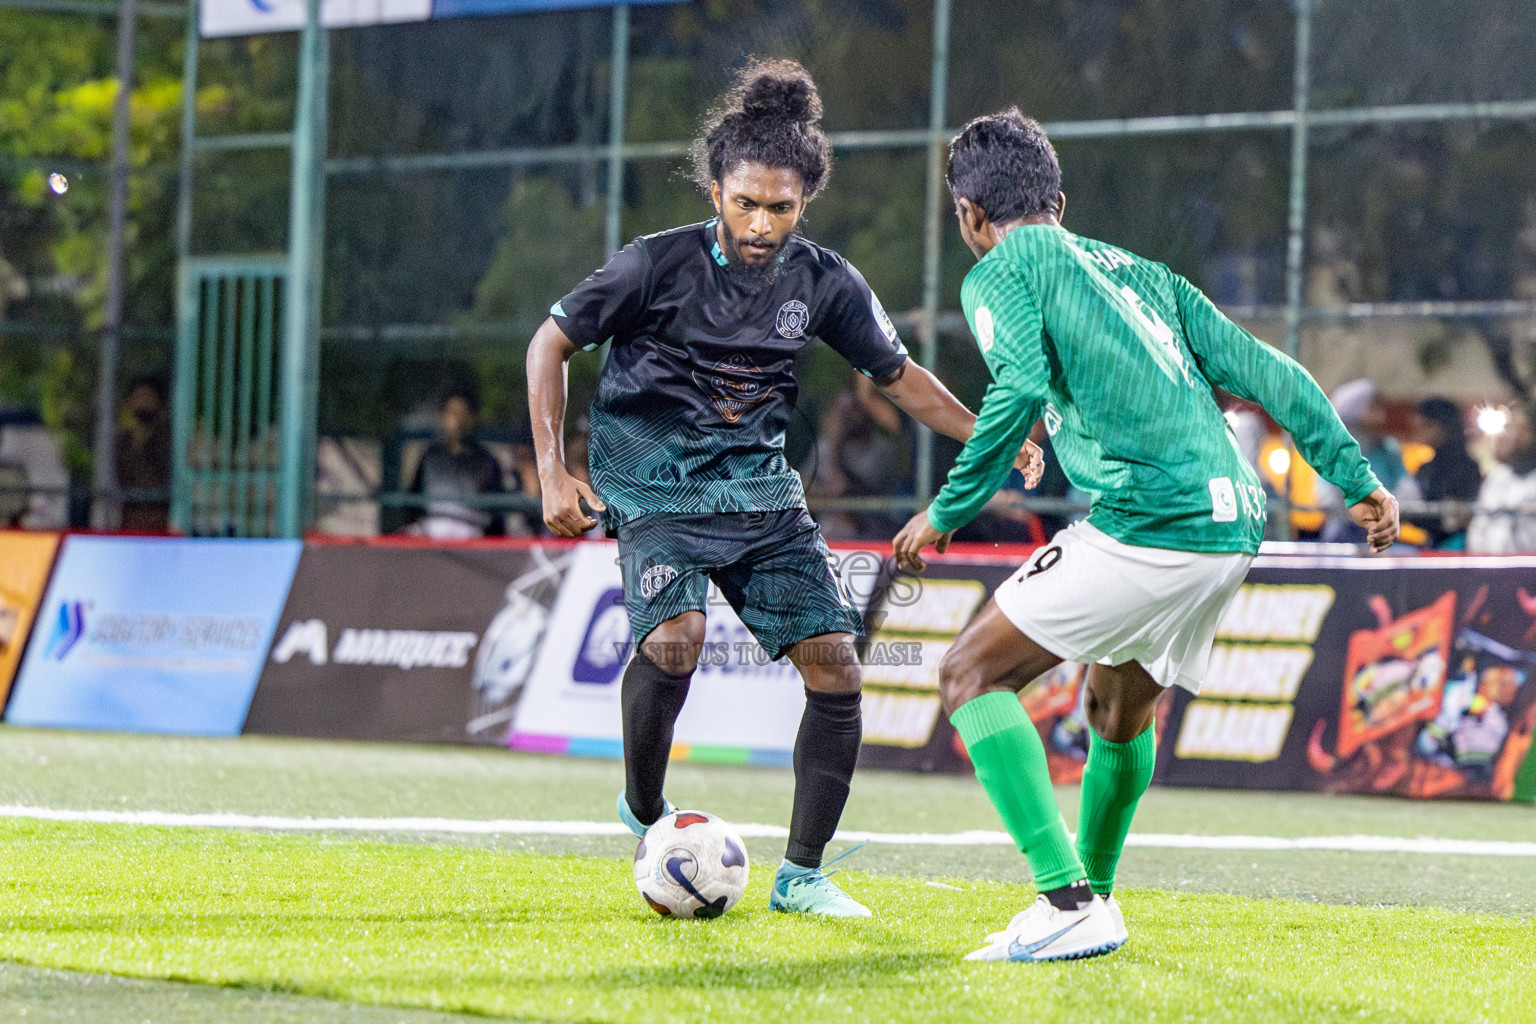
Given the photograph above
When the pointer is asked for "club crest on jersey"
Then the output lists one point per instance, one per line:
(793, 319)
(734, 385)
(655, 579)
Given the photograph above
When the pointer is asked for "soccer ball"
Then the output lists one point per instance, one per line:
(691, 864)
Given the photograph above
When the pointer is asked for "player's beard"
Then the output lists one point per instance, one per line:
(753, 276)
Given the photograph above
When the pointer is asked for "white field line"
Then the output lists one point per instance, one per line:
(525, 827)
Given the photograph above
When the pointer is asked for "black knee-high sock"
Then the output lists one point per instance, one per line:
(826, 750)
(651, 700)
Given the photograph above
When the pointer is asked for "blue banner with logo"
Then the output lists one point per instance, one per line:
(152, 634)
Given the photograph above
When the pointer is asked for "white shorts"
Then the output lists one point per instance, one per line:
(1087, 597)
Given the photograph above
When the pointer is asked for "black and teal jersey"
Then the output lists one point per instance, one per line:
(694, 399)
(1119, 355)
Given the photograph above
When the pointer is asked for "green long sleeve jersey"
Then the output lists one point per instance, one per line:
(1118, 355)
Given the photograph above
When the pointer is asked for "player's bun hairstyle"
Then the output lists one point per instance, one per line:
(1004, 164)
(770, 116)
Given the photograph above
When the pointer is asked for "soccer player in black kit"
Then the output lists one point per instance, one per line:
(687, 447)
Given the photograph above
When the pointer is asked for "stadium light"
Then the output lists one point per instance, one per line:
(1492, 419)
(1280, 461)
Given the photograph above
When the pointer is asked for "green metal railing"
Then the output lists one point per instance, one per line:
(226, 405)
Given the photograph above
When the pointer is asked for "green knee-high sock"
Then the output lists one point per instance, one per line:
(1113, 781)
(1010, 764)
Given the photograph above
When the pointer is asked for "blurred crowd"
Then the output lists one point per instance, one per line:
(1466, 475)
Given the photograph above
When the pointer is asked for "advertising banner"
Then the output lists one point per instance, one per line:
(25, 559)
(1411, 676)
(381, 642)
(742, 708)
(904, 725)
(153, 634)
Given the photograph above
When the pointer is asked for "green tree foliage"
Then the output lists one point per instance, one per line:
(57, 90)
(56, 118)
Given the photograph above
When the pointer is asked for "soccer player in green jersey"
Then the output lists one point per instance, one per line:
(1119, 356)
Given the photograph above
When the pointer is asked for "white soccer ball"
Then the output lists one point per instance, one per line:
(691, 864)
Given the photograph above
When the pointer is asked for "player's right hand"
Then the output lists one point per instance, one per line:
(1377, 513)
(916, 535)
(563, 494)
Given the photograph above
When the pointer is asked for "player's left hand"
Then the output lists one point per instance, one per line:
(916, 535)
(1377, 512)
(1031, 462)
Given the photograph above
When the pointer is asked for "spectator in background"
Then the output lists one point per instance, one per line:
(144, 458)
(1359, 405)
(32, 467)
(456, 466)
(864, 451)
(1505, 520)
(1450, 475)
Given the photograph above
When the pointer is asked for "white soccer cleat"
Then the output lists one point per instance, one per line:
(1110, 902)
(1044, 933)
(1113, 906)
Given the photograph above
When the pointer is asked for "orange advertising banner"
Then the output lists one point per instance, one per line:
(25, 561)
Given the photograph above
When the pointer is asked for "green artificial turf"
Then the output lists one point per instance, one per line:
(256, 775)
(565, 938)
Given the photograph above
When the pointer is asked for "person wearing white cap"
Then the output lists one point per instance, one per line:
(1359, 405)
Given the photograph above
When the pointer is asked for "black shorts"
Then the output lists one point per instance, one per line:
(773, 567)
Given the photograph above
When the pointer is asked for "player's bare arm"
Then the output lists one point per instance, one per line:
(918, 393)
(548, 353)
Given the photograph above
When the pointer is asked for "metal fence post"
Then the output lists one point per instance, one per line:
(1295, 267)
(183, 382)
(300, 359)
(933, 232)
(618, 76)
(106, 509)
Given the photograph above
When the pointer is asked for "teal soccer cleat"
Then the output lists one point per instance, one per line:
(631, 822)
(798, 890)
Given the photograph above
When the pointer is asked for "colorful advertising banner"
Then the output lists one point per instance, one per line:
(25, 559)
(742, 708)
(152, 634)
(1410, 676)
(435, 644)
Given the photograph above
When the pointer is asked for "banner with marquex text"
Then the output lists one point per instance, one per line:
(408, 643)
(153, 634)
(25, 559)
(742, 708)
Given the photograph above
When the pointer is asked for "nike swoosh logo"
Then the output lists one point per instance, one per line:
(1016, 951)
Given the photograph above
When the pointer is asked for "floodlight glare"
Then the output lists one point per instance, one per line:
(1492, 419)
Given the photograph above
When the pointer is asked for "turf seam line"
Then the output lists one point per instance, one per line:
(976, 837)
